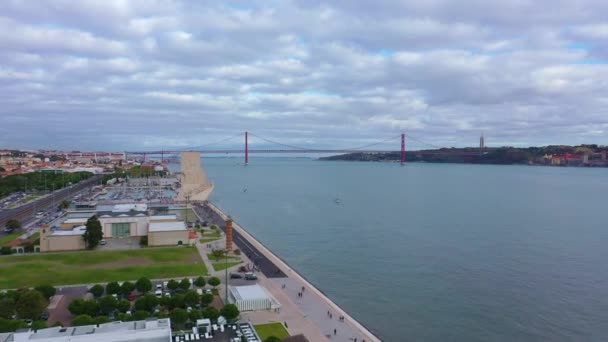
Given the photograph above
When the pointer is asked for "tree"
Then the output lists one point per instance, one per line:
(5, 250)
(206, 299)
(64, 204)
(191, 298)
(91, 307)
(30, 304)
(7, 325)
(46, 290)
(107, 304)
(77, 307)
(143, 285)
(195, 314)
(164, 301)
(37, 325)
(214, 281)
(101, 319)
(211, 313)
(97, 290)
(173, 285)
(127, 287)
(200, 281)
(112, 288)
(184, 284)
(230, 312)
(93, 233)
(272, 339)
(140, 315)
(7, 307)
(177, 301)
(123, 306)
(146, 302)
(13, 224)
(83, 320)
(178, 316)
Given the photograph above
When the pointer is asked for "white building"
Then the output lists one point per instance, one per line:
(252, 298)
(152, 330)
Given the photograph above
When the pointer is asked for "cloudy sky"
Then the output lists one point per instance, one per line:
(139, 75)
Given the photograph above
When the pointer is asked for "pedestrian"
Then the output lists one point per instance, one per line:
(331, 316)
(328, 313)
(303, 289)
(355, 339)
(335, 332)
(286, 326)
(283, 285)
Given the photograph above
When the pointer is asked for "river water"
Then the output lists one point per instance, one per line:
(435, 251)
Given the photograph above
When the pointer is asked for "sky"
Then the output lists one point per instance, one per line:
(157, 74)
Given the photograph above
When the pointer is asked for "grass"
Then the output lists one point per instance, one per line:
(99, 266)
(271, 329)
(212, 233)
(220, 266)
(208, 240)
(214, 258)
(35, 236)
(9, 238)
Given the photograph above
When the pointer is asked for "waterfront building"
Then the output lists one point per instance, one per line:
(151, 330)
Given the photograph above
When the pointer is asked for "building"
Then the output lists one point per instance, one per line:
(151, 330)
(121, 221)
(252, 298)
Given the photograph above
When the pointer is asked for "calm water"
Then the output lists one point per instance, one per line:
(436, 252)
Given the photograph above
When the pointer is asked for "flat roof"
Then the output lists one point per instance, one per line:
(76, 220)
(67, 232)
(129, 207)
(167, 226)
(249, 292)
(155, 330)
(163, 217)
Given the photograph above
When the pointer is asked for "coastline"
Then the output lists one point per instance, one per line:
(291, 272)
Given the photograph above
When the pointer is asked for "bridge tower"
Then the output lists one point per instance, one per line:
(402, 148)
(246, 148)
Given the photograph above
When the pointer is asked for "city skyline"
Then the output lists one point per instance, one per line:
(168, 75)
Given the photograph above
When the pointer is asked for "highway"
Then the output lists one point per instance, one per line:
(265, 266)
(29, 209)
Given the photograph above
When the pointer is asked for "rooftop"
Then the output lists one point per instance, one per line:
(74, 231)
(163, 217)
(167, 226)
(154, 330)
(129, 207)
(248, 292)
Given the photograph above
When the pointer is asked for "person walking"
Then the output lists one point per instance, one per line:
(335, 332)
(285, 324)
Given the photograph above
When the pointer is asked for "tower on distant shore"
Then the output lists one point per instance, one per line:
(482, 144)
(229, 234)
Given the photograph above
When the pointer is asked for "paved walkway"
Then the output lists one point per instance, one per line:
(307, 315)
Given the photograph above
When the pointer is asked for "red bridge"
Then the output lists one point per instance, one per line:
(295, 149)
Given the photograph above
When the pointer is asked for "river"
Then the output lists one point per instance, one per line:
(435, 251)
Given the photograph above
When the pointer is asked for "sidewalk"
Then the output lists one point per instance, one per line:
(309, 314)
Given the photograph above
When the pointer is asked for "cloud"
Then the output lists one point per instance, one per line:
(148, 74)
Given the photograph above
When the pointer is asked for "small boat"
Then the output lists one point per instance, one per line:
(337, 200)
(245, 189)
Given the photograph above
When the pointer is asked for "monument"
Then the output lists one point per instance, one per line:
(194, 184)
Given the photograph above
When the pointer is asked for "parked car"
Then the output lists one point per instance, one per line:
(158, 293)
(235, 276)
(250, 276)
(102, 242)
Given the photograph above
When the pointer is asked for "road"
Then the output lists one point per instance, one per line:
(266, 266)
(29, 209)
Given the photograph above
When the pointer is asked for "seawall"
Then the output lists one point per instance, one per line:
(338, 311)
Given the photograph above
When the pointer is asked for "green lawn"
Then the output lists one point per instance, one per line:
(272, 329)
(98, 266)
(213, 233)
(220, 266)
(208, 240)
(9, 238)
(222, 259)
(35, 236)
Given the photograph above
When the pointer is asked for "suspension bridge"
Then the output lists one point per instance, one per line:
(289, 149)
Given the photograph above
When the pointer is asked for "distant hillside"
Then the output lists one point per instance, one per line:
(502, 155)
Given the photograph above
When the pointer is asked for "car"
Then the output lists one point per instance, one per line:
(165, 283)
(102, 242)
(159, 286)
(158, 293)
(167, 294)
(28, 321)
(208, 291)
(235, 276)
(8, 230)
(128, 312)
(250, 276)
(44, 316)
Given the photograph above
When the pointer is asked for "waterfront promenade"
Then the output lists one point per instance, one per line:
(312, 314)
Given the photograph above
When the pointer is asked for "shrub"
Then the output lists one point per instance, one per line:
(143, 241)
